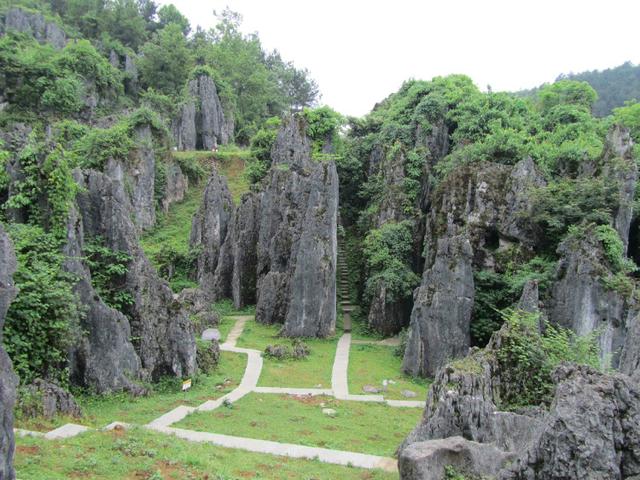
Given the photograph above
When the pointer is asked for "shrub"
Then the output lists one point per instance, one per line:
(64, 95)
(108, 273)
(43, 319)
(207, 355)
(527, 358)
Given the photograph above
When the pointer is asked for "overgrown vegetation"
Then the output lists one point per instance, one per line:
(527, 358)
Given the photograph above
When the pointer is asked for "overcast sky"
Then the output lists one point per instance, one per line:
(360, 51)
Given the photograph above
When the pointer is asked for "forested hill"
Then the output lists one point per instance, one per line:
(614, 86)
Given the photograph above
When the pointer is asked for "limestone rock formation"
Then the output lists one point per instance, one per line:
(141, 172)
(297, 243)
(104, 359)
(202, 122)
(289, 230)
(161, 331)
(208, 233)
(441, 317)
(8, 380)
(579, 299)
(592, 430)
(630, 356)
(428, 460)
(53, 400)
(477, 211)
(33, 23)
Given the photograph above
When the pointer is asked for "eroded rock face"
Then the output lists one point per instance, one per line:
(427, 460)
(592, 431)
(53, 400)
(630, 357)
(104, 358)
(8, 380)
(580, 301)
(161, 331)
(279, 247)
(441, 317)
(141, 173)
(477, 210)
(297, 243)
(33, 23)
(208, 233)
(202, 123)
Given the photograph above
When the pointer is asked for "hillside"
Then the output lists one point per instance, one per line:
(614, 86)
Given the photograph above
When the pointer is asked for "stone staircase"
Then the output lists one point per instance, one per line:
(343, 285)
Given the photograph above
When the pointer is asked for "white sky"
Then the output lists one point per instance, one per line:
(360, 51)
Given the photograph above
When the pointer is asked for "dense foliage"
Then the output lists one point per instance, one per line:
(41, 322)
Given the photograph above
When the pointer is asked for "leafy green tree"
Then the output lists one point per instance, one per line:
(567, 92)
(629, 116)
(123, 21)
(166, 60)
(169, 14)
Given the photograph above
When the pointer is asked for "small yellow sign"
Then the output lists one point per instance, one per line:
(186, 385)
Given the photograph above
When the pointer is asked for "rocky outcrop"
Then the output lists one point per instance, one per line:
(477, 211)
(33, 23)
(141, 176)
(630, 356)
(289, 230)
(202, 123)
(208, 233)
(176, 187)
(52, 400)
(441, 316)
(103, 359)
(297, 243)
(161, 332)
(8, 380)
(579, 299)
(428, 460)
(592, 430)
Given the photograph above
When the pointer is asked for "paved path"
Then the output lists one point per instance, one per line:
(339, 389)
(325, 455)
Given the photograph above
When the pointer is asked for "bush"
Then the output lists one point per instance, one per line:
(64, 95)
(527, 358)
(207, 355)
(42, 322)
(108, 273)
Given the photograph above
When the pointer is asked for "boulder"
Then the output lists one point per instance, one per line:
(8, 379)
(579, 299)
(52, 400)
(428, 460)
(592, 431)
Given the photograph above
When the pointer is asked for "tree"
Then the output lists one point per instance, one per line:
(169, 14)
(123, 21)
(567, 92)
(166, 60)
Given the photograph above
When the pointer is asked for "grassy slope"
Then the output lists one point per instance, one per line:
(138, 454)
(359, 426)
(370, 364)
(102, 410)
(308, 373)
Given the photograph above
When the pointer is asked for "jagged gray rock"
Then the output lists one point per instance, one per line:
(579, 300)
(592, 431)
(441, 317)
(208, 233)
(202, 122)
(33, 23)
(289, 230)
(177, 185)
(103, 358)
(8, 379)
(477, 211)
(162, 333)
(427, 460)
(297, 244)
(52, 400)
(141, 173)
(630, 356)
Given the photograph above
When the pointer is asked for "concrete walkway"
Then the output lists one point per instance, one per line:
(338, 457)
(339, 390)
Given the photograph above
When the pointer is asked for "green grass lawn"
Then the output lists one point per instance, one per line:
(139, 454)
(370, 364)
(102, 410)
(307, 373)
(363, 427)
